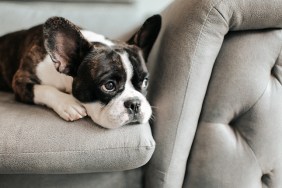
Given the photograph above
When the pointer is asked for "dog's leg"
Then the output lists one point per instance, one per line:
(65, 105)
(27, 89)
(22, 84)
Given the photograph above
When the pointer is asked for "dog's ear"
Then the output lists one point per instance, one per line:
(65, 44)
(145, 37)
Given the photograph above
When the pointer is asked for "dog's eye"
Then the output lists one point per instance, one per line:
(109, 86)
(145, 83)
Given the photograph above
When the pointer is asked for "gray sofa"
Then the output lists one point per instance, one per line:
(216, 88)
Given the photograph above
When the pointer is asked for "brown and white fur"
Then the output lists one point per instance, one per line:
(78, 73)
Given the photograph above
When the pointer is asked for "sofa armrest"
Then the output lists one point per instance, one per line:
(181, 65)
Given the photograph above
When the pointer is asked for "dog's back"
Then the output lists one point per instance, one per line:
(13, 48)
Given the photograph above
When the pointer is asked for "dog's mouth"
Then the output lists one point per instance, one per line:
(133, 123)
(134, 119)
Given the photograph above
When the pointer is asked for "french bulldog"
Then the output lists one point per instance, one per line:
(77, 72)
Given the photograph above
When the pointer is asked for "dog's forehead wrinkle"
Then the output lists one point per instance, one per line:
(105, 66)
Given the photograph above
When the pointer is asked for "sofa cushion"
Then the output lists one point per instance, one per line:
(33, 139)
(121, 179)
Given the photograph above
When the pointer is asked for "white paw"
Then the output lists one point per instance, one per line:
(69, 108)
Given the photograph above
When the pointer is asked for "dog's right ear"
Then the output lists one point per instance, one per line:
(147, 35)
(65, 44)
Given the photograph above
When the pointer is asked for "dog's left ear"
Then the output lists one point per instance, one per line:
(147, 34)
(65, 44)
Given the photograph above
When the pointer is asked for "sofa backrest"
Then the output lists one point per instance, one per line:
(181, 66)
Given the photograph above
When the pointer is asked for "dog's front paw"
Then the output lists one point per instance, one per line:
(70, 109)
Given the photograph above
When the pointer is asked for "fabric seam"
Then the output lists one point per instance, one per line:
(245, 139)
(79, 151)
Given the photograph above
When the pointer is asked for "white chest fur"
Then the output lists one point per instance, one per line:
(48, 75)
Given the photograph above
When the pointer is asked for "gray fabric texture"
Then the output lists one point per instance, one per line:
(181, 66)
(238, 141)
(124, 179)
(34, 139)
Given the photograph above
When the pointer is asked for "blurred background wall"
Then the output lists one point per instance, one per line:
(112, 18)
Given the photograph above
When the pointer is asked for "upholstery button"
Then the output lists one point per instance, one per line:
(265, 178)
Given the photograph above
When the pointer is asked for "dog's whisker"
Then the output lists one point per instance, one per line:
(153, 117)
(154, 107)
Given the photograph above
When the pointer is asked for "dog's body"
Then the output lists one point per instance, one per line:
(77, 72)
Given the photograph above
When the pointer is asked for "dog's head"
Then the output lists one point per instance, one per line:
(110, 78)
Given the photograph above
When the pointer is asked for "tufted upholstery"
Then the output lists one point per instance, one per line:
(232, 140)
(239, 136)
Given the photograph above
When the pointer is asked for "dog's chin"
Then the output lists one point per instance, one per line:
(112, 122)
(110, 119)
(117, 122)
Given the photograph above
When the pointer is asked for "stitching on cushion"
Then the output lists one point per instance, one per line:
(263, 90)
(243, 137)
(251, 149)
(234, 130)
(220, 13)
(80, 151)
(255, 103)
(188, 82)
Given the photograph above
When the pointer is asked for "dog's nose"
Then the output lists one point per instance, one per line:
(133, 105)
